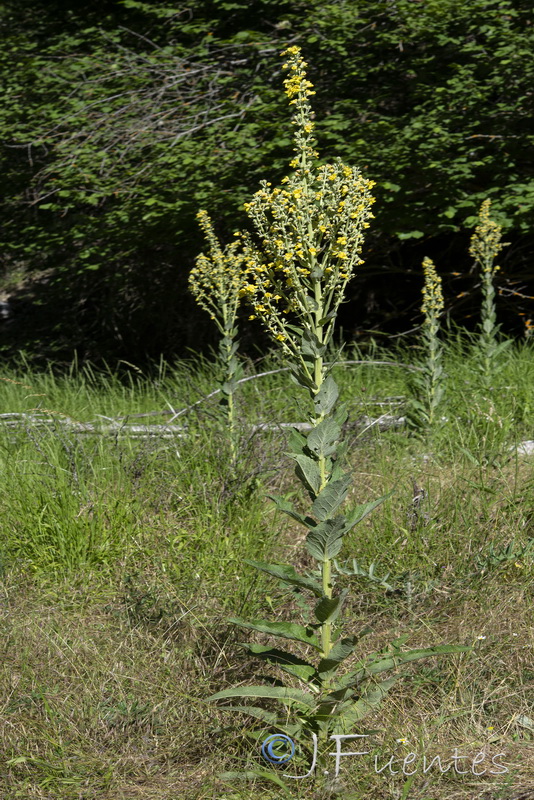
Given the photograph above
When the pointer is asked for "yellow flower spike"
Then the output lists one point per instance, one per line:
(429, 385)
(486, 240)
(485, 245)
(295, 220)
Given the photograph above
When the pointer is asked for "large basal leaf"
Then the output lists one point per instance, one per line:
(287, 573)
(332, 496)
(326, 398)
(272, 692)
(323, 438)
(325, 540)
(307, 472)
(287, 630)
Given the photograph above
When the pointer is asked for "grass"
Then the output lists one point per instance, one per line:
(121, 559)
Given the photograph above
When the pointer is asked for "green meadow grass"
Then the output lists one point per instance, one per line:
(121, 559)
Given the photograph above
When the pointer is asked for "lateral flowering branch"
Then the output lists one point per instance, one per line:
(216, 283)
(217, 279)
(486, 241)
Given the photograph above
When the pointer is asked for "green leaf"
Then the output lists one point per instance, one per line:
(325, 540)
(287, 630)
(287, 573)
(326, 398)
(360, 512)
(410, 235)
(332, 496)
(328, 609)
(284, 505)
(273, 692)
(375, 663)
(342, 649)
(307, 471)
(358, 571)
(322, 439)
(311, 346)
(287, 661)
(228, 387)
(499, 348)
(296, 441)
(369, 701)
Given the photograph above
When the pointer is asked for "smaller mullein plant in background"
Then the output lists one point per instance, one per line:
(308, 237)
(429, 385)
(485, 246)
(216, 283)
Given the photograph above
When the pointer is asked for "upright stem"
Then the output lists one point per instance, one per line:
(326, 565)
(230, 397)
(229, 364)
(433, 365)
(489, 319)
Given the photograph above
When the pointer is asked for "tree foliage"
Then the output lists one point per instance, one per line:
(125, 119)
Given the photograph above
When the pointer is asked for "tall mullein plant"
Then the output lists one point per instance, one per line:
(485, 246)
(309, 234)
(216, 282)
(429, 384)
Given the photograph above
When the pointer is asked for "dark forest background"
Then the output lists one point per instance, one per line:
(121, 119)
